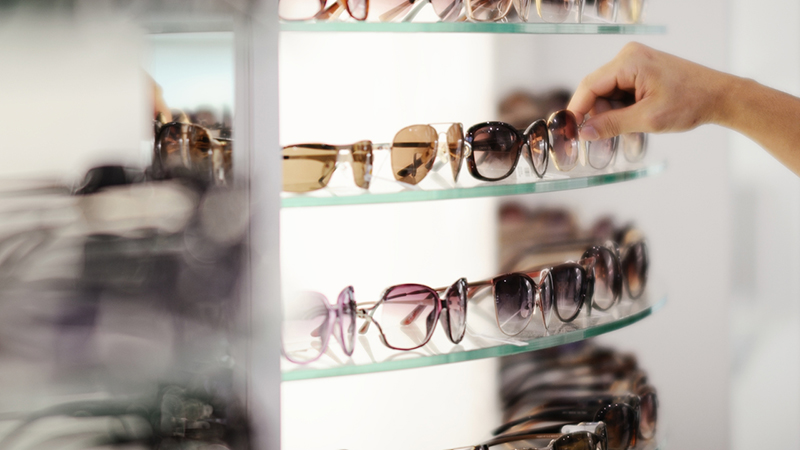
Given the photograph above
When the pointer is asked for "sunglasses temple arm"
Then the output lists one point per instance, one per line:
(547, 415)
(411, 15)
(331, 12)
(395, 12)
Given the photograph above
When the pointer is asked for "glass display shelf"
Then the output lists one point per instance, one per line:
(474, 27)
(437, 187)
(482, 340)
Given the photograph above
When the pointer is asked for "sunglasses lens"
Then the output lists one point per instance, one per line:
(347, 308)
(413, 151)
(607, 277)
(308, 168)
(649, 416)
(495, 149)
(357, 9)
(455, 148)
(605, 9)
(389, 10)
(539, 145)
(447, 10)
(634, 266)
(569, 286)
(488, 10)
(456, 310)
(563, 129)
(299, 9)
(575, 441)
(514, 302)
(601, 152)
(555, 11)
(408, 315)
(619, 420)
(306, 327)
(633, 146)
(546, 297)
(362, 163)
(631, 10)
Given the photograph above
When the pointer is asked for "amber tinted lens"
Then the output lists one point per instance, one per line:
(539, 145)
(299, 9)
(514, 302)
(308, 167)
(607, 277)
(630, 11)
(413, 151)
(455, 148)
(600, 153)
(487, 10)
(362, 163)
(634, 267)
(447, 10)
(634, 146)
(555, 11)
(620, 422)
(569, 287)
(495, 149)
(563, 128)
(389, 10)
(357, 9)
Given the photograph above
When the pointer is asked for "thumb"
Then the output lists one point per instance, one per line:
(614, 123)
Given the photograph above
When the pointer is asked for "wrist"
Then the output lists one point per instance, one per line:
(732, 100)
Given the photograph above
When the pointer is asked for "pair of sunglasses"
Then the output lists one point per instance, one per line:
(309, 321)
(556, 11)
(375, 10)
(406, 315)
(308, 167)
(188, 147)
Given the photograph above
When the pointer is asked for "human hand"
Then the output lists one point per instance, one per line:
(658, 92)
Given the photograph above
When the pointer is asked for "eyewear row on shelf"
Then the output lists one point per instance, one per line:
(405, 316)
(577, 397)
(492, 151)
(551, 11)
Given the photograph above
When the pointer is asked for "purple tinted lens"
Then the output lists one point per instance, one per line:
(619, 419)
(634, 265)
(607, 275)
(649, 415)
(601, 152)
(563, 128)
(495, 150)
(456, 298)
(569, 287)
(514, 302)
(347, 319)
(447, 10)
(306, 328)
(408, 315)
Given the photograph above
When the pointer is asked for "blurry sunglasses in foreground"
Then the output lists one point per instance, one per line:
(309, 321)
(188, 148)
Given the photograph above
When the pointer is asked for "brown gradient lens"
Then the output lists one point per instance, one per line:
(495, 150)
(308, 167)
(635, 263)
(299, 9)
(358, 9)
(456, 313)
(563, 128)
(607, 275)
(362, 163)
(569, 290)
(487, 10)
(447, 10)
(554, 11)
(538, 145)
(413, 151)
(605, 9)
(389, 10)
(600, 153)
(619, 419)
(514, 302)
(576, 441)
(634, 146)
(455, 148)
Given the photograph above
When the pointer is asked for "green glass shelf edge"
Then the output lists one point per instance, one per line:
(474, 27)
(471, 355)
(494, 190)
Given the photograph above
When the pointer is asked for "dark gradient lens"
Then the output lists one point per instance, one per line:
(546, 298)
(362, 163)
(554, 11)
(408, 315)
(413, 152)
(600, 153)
(513, 302)
(607, 277)
(634, 146)
(648, 417)
(563, 129)
(447, 10)
(389, 10)
(456, 323)
(495, 150)
(539, 145)
(487, 10)
(357, 9)
(306, 327)
(635, 264)
(569, 289)
(619, 419)
(307, 167)
(299, 9)
(455, 148)
(347, 319)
